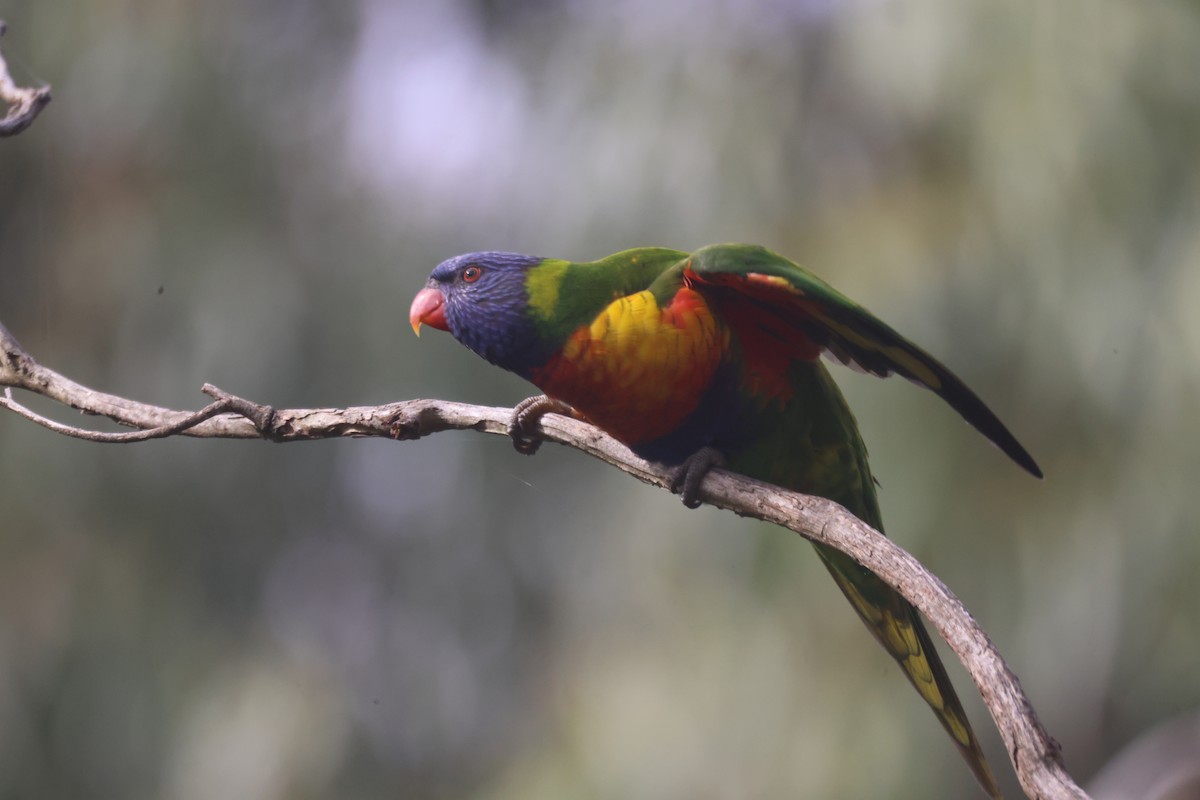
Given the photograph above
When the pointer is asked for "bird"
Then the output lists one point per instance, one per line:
(713, 358)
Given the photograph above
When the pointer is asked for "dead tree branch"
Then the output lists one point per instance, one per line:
(1034, 754)
(23, 104)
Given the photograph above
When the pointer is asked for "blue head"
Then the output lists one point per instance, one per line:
(480, 299)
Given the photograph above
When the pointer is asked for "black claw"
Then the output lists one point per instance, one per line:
(686, 478)
(524, 427)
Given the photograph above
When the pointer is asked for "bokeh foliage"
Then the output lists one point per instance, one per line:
(250, 193)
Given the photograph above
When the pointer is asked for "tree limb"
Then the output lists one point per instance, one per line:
(1034, 754)
(24, 104)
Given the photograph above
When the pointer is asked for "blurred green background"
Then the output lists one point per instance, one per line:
(249, 193)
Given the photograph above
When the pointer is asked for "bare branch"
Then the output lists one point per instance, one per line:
(1034, 754)
(190, 421)
(24, 104)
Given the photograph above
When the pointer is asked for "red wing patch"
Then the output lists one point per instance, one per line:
(764, 313)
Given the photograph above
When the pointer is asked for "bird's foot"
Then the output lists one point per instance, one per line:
(525, 424)
(687, 477)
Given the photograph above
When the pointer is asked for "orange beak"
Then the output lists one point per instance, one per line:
(428, 307)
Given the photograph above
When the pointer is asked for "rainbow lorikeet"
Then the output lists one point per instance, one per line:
(712, 358)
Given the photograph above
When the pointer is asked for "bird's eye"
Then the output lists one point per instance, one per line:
(471, 274)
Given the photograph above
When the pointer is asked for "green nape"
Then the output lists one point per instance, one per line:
(564, 295)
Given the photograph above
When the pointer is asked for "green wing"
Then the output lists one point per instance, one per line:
(794, 297)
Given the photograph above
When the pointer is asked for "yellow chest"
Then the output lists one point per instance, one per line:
(638, 370)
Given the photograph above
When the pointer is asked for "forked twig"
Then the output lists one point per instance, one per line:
(23, 104)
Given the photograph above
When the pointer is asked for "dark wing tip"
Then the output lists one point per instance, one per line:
(982, 419)
(1031, 466)
(1013, 449)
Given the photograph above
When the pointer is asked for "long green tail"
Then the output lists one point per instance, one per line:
(897, 626)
